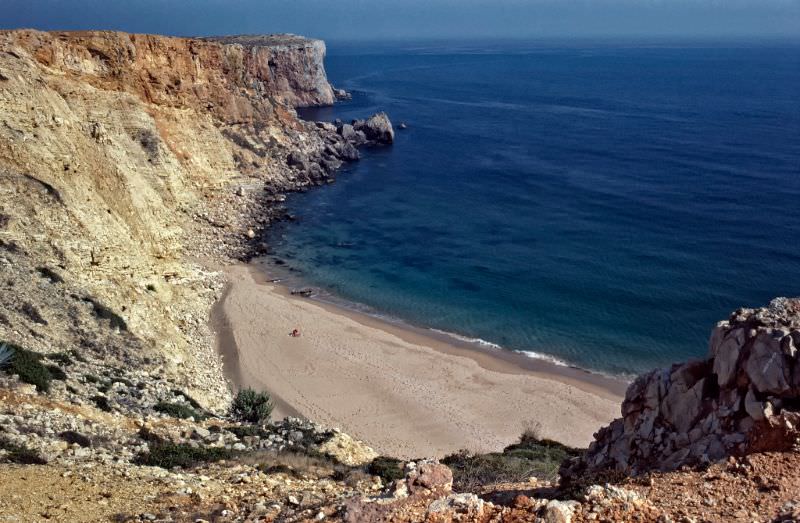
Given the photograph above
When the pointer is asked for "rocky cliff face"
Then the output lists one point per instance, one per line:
(289, 66)
(130, 164)
(743, 398)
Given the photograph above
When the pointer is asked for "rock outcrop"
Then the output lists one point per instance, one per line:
(288, 66)
(743, 398)
(377, 129)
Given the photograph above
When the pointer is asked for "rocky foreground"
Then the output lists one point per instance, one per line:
(132, 167)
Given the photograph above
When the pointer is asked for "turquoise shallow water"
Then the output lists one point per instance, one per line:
(603, 204)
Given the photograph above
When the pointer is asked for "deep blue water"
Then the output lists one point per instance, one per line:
(604, 204)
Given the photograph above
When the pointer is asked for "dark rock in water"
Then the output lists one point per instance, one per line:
(315, 172)
(377, 128)
(330, 164)
(341, 94)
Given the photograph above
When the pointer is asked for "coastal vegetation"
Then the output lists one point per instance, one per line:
(167, 455)
(28, 366)
(177, 410)
(531, 457)
(252, 406)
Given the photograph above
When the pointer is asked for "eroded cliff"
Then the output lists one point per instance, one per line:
(126, 161)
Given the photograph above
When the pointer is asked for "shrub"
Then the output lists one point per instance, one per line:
(64, 358)
(21, 455)
(72, 437)
(531, 457)
(176, 410)
(50, 274)
(168, 455)
(388, 469)
(28, 366)
(252, 406)
(56, 373)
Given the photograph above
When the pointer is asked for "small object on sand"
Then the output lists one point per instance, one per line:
(295, 333)
(305, 292)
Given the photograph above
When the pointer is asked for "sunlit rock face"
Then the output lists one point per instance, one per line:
(744, 398)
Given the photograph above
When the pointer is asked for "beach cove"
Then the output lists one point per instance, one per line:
(400, 390)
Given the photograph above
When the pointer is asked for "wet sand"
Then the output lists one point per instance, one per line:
(404, 391)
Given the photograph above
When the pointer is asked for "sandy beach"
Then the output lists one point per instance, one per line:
(404, 392)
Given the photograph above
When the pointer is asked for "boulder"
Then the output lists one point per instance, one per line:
(768, 367)
(430, 476)
(297, 159)
(560, 511)
(377, 128)
(726, 356)
(347, 132)
(347, 152)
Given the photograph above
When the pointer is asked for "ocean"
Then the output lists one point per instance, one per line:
(600, 204)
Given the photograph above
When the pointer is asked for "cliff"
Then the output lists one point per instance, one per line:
(290, 65)
(130, 165)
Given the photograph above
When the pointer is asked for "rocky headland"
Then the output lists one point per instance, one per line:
(132, 169)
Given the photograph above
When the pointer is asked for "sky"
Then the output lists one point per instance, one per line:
(408, 19)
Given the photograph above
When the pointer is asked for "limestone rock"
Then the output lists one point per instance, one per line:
(377, 128)
(742, 399)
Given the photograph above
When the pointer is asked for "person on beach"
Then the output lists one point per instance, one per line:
(295, 333)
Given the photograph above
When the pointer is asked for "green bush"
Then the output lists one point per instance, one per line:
(388, 469)
(21, 455)
(176, 410)
(56, 373)
(64, 358)
(28, 366)
(168, 455)
(531, 457)
(252, 406)
(72, 437)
